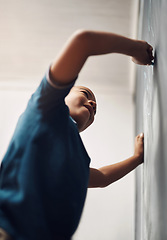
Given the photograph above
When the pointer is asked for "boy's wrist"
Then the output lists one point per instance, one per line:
(139, 158)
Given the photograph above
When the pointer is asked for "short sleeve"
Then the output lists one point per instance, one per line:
(47, 97)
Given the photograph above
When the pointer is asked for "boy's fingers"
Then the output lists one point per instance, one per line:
(150, 47)
(141, 136)
(150, 52)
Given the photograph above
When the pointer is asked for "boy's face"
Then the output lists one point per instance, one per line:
(82, 106)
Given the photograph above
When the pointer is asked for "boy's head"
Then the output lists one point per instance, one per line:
(82, 106)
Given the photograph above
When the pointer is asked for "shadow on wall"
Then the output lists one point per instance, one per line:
(151, 118)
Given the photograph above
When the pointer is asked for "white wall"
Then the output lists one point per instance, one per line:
(108, 212)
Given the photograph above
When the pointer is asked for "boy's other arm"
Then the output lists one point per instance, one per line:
(82, 44)
(106, 175)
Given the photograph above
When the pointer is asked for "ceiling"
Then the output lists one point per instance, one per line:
(32, 32)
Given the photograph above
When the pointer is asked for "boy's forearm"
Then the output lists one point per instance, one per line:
(116, 171)
(104, 43)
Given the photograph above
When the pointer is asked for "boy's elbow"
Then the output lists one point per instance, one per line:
(100, 183)
(106, 181)
(97, 179)
(84, 39)
(82, 34)
(104, 184)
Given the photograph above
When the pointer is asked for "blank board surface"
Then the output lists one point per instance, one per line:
(151, 118)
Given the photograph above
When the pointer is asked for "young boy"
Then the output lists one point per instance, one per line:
(45, 173)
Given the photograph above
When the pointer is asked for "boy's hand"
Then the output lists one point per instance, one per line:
(143, 53)
(139, 147)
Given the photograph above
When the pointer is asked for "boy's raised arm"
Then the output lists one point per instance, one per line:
(106, 175)
(82, 44)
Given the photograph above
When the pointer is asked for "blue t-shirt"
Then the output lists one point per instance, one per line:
(44, 174)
